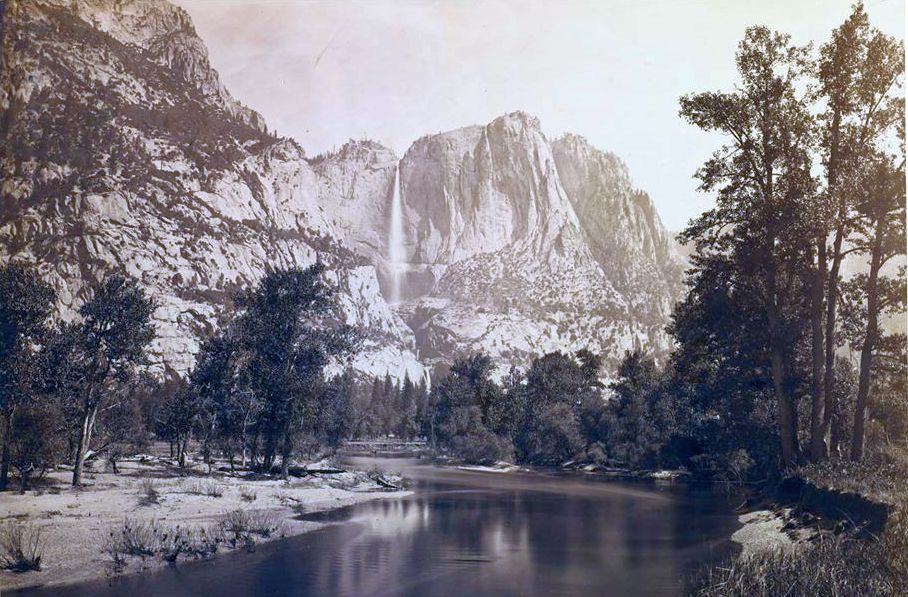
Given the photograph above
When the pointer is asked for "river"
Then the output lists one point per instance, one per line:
(474, 533)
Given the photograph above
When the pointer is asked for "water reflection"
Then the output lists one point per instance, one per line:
(474, 533)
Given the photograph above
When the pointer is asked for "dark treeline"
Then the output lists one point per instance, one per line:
(810, 178)
(259, 391)
(389, 408)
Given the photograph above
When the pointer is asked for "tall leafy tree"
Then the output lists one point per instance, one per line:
(762, 181)
(881, 210)
(26, 303)
(106, 347)
(557, 386)
(858, 74)
(285, 328)
(222, 418)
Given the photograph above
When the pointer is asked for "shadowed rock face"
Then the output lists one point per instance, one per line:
(128, 154)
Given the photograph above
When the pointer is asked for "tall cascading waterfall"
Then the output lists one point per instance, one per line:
(396, 256)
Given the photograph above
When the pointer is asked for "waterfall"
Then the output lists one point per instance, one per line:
(396, 255)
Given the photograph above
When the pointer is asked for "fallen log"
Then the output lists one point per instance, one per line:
(386, 484)
(302, 471)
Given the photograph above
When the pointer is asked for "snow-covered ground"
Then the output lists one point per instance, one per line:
(75, 522)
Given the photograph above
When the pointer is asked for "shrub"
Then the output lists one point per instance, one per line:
(247, 495)
(141, 539)
(148, 538)
(206, 541)
(482, 447)
(22, 546)
(148, 493)
(243, 523)
(173, 542)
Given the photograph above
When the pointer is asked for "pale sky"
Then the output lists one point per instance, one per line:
(324, 71)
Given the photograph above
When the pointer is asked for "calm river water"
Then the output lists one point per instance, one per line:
(475, 534)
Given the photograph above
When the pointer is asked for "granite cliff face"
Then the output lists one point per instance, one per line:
(123, 151)
(532, 245)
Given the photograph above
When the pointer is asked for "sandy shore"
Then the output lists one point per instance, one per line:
(75, 522)
(765, 530)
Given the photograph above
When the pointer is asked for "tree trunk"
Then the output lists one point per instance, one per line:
(24, 477)
(4, 459)
(835, 433)
(870, 340)
(817, 428)
(788, 431)
(88, 422)
(285, 456)
(181, 449)
(830, 407)
(832, 297)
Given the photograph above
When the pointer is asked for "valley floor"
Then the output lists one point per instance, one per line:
(75, 523)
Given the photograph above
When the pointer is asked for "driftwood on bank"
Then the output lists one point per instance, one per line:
(302, 471)
(385, 484)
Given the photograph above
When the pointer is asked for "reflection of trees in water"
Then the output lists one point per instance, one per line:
(531, 540)
(478, 534)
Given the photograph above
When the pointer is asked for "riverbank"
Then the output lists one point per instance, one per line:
(820, 533)
(76, 524)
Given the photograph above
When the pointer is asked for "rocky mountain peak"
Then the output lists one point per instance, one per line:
(165, 34)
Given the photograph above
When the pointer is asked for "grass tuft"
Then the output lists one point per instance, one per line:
(21, 546)
(148, 493)
(208, 488)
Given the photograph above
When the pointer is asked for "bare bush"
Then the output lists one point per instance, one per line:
(149, 538)
(208, 488)
(142, 539)
(205, 542)
(247, 494)
(148, 493)
(244, 523)
(22, 546)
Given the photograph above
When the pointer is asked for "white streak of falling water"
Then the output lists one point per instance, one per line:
(396, 240)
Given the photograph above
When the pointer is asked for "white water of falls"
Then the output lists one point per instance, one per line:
(396, 255)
